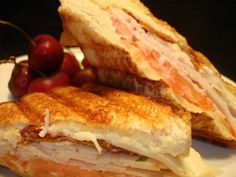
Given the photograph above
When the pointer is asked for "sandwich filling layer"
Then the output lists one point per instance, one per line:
(64, 149)
(86, 157)
(197, 85)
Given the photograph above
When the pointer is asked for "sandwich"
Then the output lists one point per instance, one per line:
(135, 51)
(73, 132)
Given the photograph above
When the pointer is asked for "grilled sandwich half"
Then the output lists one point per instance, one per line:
(73, 132)
(133, 50)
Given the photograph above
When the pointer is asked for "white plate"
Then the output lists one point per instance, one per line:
(220, 157)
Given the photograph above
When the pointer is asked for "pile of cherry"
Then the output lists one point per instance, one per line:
(48, 66)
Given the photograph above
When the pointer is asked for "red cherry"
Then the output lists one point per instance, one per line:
(70, 64)
(20, 79)
(83, 76)
(47, 54)
(44, 84)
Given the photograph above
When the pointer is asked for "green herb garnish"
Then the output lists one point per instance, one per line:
(142, 159)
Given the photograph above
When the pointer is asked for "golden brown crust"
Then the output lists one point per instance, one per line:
(98, 109)
(208, 136)
(11, 114)
(148, 106)
(205, 128)
(34, 106)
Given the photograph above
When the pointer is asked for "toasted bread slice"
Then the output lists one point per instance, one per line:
(136, 51)
(70, 128)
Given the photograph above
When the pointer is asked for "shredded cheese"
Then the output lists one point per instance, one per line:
(82, 136)
(45, 128)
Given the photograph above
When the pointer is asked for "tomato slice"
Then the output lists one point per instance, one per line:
(179, 84)
(164, 68)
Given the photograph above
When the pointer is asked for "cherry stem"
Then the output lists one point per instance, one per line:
(12, 59)
(18, 29)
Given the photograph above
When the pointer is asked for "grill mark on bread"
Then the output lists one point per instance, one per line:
(86, 109)
(142, 105)
(135, 101)
(32, 116)
(99, 109)
(114, 79)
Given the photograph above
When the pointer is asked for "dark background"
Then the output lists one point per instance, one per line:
(208, 25)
